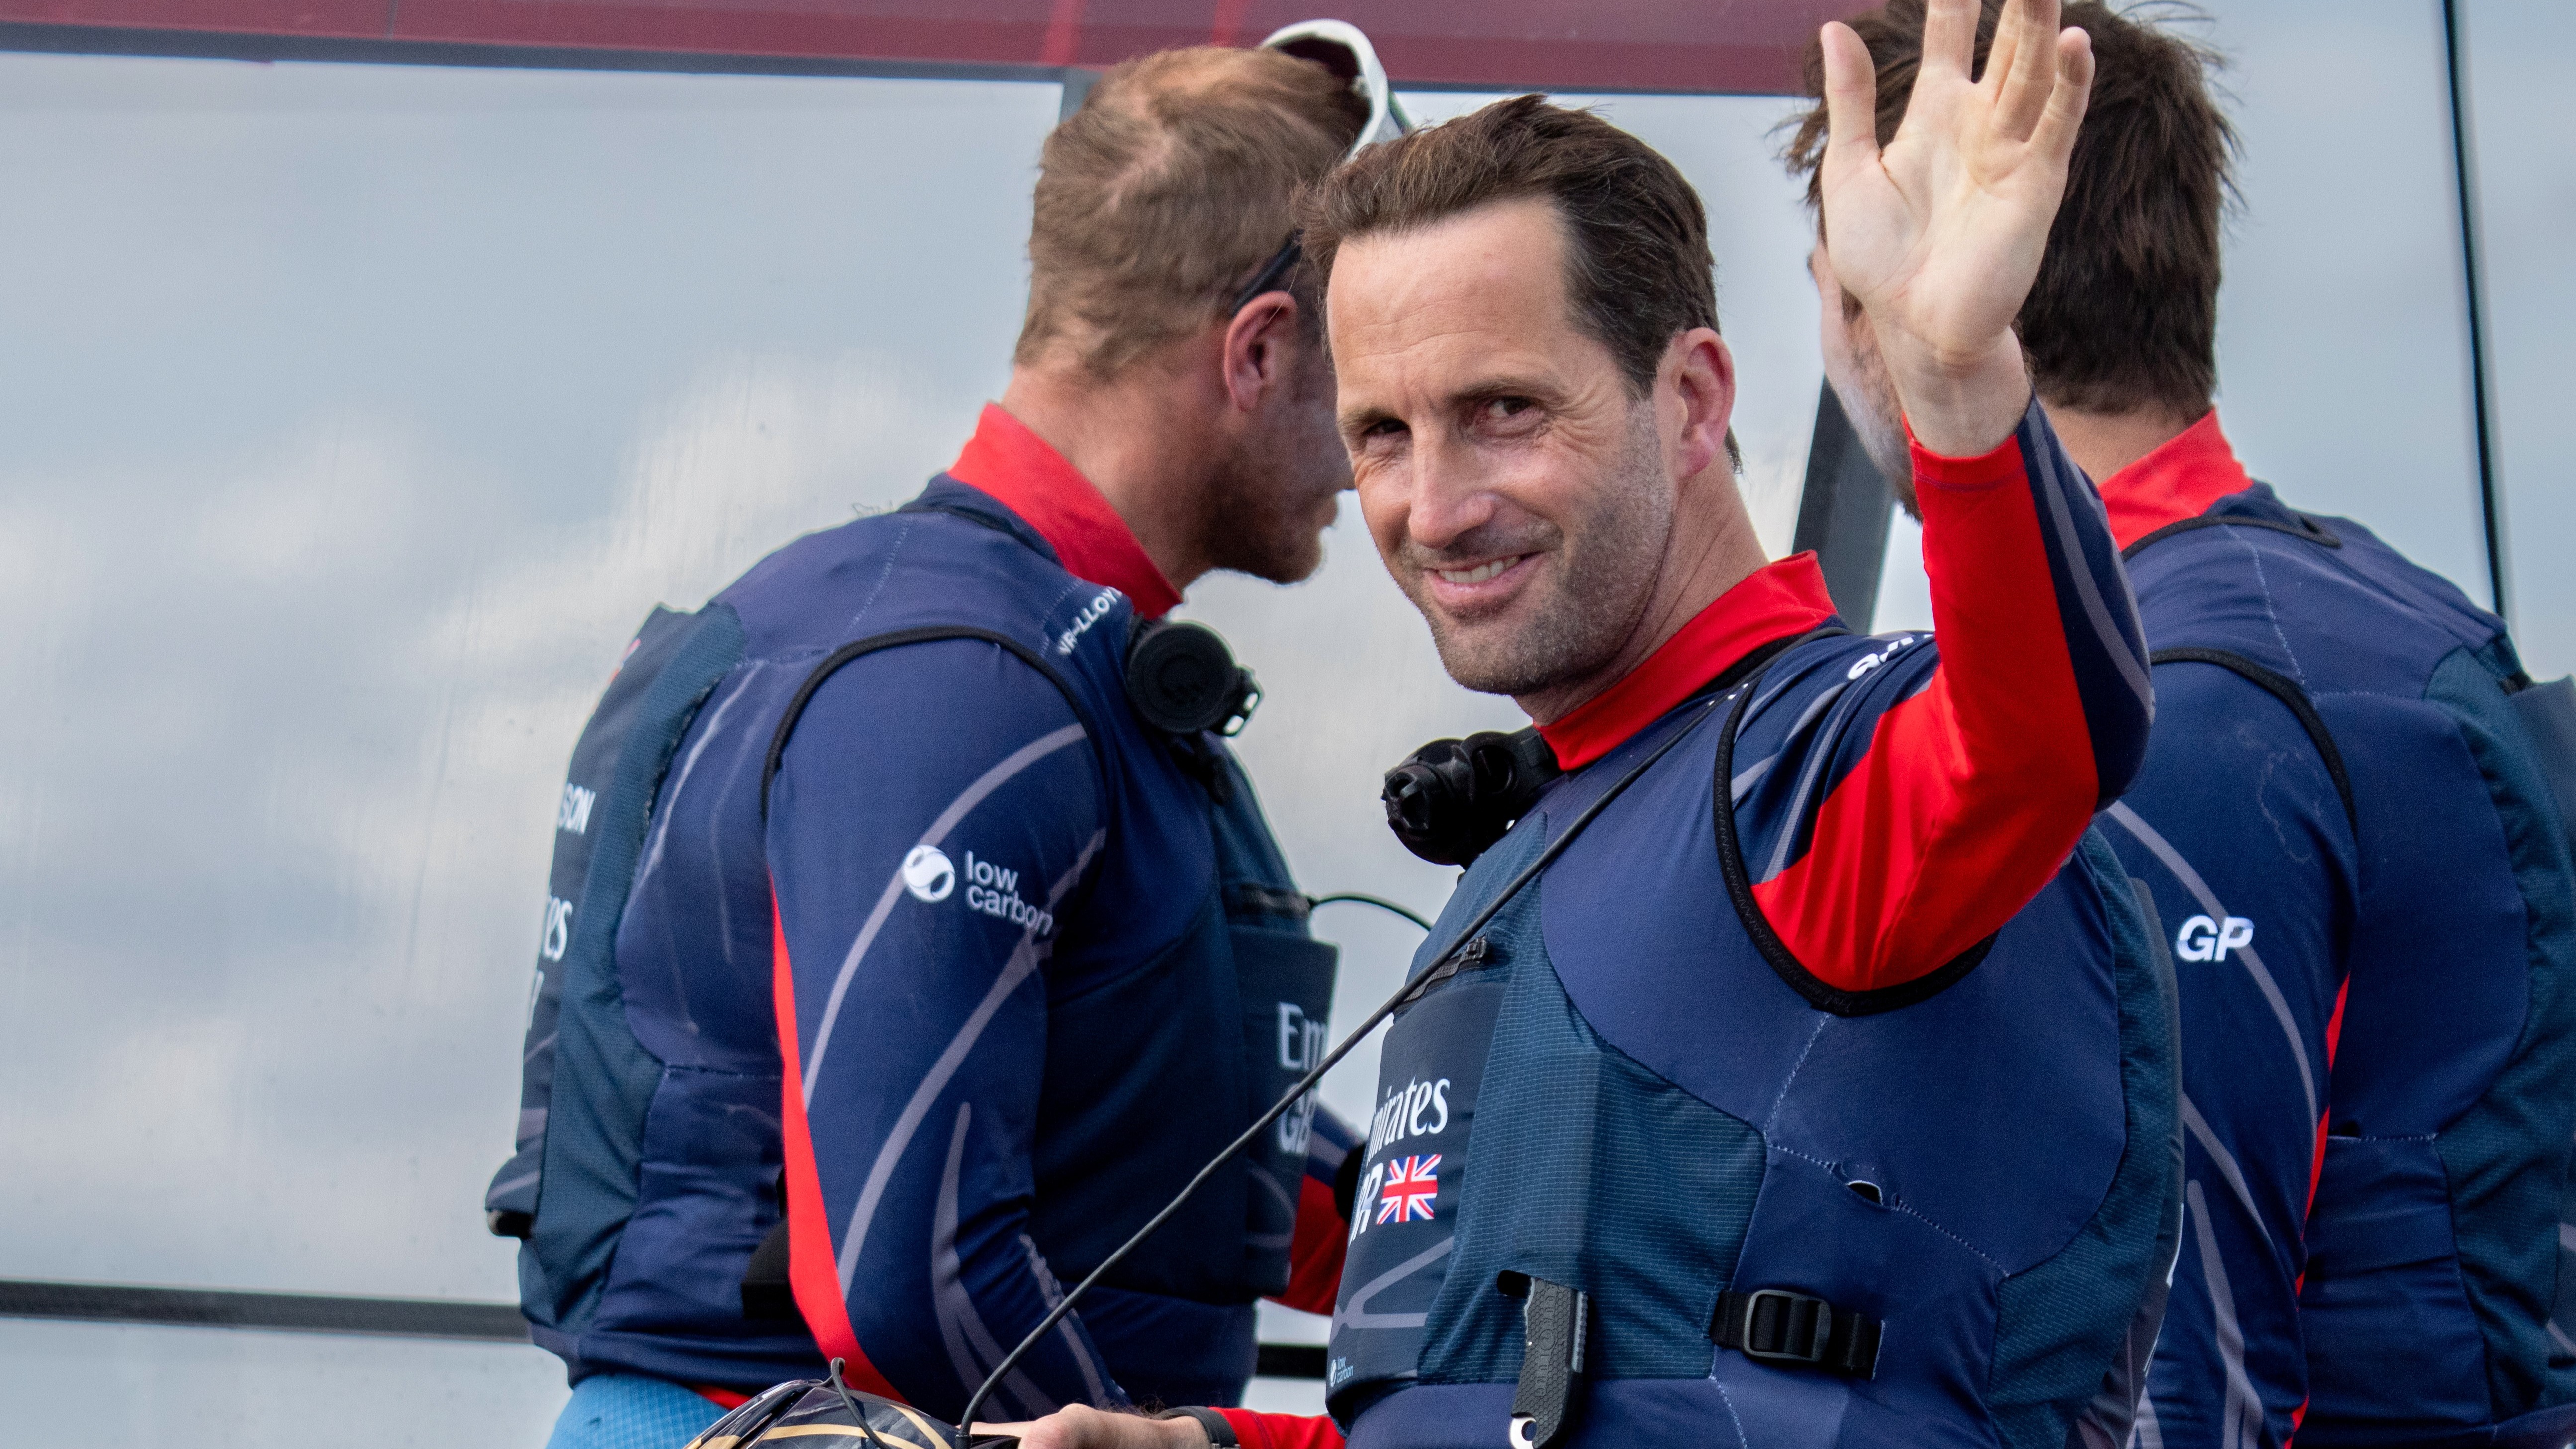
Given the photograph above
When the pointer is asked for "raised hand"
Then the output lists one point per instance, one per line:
(1940, 232)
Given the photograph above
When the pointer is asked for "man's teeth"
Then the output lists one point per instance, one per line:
(1479, 573)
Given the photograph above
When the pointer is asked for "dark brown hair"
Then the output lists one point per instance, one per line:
(1637, 260)
(2124, 315)
(1167, 191)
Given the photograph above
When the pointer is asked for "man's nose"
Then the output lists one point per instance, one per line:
(1449, 496)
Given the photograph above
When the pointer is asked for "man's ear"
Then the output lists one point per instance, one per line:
(1702, 376)
(1260, 344)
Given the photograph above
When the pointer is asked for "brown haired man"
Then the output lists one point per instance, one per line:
(921, 955)
(1825, 1098)
(2341, 817)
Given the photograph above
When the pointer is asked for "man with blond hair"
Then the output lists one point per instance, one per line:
(912, 933)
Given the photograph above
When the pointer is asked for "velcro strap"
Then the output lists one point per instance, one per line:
(1797, 1330)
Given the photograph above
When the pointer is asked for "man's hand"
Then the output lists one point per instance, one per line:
(1082, 1427)
(1940, 233)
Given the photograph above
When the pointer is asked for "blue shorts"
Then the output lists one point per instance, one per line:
(630, 1411)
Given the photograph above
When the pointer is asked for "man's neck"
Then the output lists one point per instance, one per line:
(1138, 439)
(1714, 548)
(2104, 443)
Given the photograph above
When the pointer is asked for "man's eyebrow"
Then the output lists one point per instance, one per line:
(1360, 420)
(1474, 394)
(1489, 389)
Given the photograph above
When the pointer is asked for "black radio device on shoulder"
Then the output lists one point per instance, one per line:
(1452, 799)
(1182, 679)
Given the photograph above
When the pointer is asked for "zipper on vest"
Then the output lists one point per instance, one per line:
(1476, 955)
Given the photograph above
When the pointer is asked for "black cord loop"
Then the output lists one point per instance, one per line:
(1356, 898)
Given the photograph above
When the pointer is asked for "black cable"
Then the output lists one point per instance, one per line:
(1307, 1082)
(1380, 902)
(852, 1404)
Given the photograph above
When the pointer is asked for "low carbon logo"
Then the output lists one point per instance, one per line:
(928, 875)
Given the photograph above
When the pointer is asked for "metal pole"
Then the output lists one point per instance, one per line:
(2464, 172)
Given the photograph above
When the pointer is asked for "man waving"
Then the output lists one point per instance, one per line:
(1800, 1067)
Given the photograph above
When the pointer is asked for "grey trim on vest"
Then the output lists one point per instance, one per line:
(1748, 777)
(2173, 860)
(974, 795)
(1358, 1316)
(1051, 1293)
(1022, 964)
(2227, 1165)
(2242, 1417)
(972, 1350)
(2096, 611)
(1808, 774)
(2150, 1433)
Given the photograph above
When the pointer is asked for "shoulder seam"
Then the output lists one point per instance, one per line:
(2293, 697)
(893, 552)
(859, 648)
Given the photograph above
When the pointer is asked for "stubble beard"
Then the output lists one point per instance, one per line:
(1263, 505)
(1605, 574)
(1870, 405)
(1259, 525)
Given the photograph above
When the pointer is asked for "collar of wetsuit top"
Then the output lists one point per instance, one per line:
(2182, 477)
(1773, 602)
(1021, 472)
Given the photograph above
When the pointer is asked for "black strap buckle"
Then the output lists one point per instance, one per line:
(1547, 1405)
(1797, 1330)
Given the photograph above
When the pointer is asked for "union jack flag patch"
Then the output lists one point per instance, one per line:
(1412, 1183)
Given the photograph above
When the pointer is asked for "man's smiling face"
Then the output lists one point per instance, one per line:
(1515, 486)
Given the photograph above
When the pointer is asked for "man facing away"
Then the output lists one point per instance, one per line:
(1796, 1070)
(2356, 863)
(898, 966)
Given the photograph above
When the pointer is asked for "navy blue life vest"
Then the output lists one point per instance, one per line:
(1614, 1132)
(2410, 876)
(649, 1148)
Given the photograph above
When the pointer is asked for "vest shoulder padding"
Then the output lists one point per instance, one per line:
(2507, 1157)
(2051, 1340)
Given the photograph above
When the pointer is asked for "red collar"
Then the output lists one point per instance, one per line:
(1773, 602)
(1033, 480)
(2183, 477)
